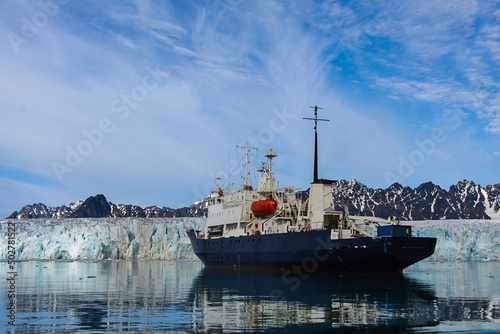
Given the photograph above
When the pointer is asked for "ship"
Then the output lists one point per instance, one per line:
(274, 227)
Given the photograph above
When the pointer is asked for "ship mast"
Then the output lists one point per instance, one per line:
(247, 150)
(316, 119)
(216, 181)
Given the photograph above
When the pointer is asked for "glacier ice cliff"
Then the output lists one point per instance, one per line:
(461, 240)
(166, 238)
(102, 238)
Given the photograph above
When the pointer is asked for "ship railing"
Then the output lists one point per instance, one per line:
(362, 231)
(262, 229)
(248, 227)
(279, 213)
(288, 189)
(376, 220)
(370, 221)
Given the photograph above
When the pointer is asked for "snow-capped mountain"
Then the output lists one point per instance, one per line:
(465, 200)
(40, 210)
(98, 207)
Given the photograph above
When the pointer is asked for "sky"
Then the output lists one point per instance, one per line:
(146, 101)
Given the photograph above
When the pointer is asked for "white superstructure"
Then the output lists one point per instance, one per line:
(270, 209)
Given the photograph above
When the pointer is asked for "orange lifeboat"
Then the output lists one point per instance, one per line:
(264, 207)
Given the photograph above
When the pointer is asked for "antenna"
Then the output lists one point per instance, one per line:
(247, 150)
(217, 179)
(316, 119)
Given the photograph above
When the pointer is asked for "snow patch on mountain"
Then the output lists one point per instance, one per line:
(98, 207)
(492, 200)
(465, 200)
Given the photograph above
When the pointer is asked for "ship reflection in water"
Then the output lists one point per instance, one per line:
(264, 300)
(181, 296)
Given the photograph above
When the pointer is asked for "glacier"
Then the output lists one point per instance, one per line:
(101, 238)
(461, 240)
(166, 238)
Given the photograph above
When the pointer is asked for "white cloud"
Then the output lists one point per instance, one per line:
(126, 42)
(229, 67)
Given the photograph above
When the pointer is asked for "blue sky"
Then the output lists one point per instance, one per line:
(144, 101)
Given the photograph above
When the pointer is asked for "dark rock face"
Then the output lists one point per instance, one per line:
(98, 207)
(93, 207)
(493, 201)
(470, 199)
(127, 211)
(465, 200)
(40, 210)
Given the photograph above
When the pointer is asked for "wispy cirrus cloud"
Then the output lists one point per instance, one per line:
(126, 42)
(228, 66)
(438, 52)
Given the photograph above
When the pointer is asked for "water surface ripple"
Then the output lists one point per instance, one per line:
(182, 296)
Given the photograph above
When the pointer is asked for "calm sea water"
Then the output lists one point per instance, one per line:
(182, 296)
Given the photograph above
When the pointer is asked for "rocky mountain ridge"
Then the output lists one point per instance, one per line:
(465, 200)
(99, 207)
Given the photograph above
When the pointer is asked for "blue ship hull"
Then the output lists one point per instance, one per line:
(313, 250)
